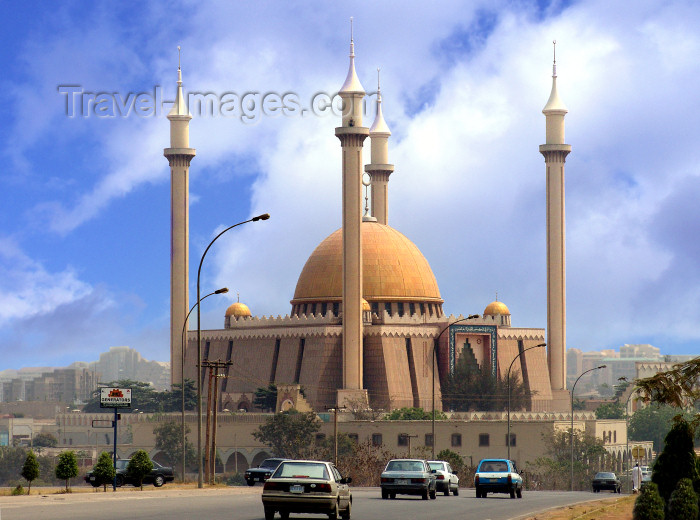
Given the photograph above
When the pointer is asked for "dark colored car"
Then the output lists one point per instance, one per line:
(408, 477)
(263, 472)
(606, 480)
(498, 476)
(158, 476)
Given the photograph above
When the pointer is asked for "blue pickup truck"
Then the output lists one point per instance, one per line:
(498, 476)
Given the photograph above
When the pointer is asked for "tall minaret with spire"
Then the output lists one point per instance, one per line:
(555, 152)
(179, 156)
(379, 169)
(352, 135)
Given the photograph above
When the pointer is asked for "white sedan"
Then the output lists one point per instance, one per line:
(445, 478)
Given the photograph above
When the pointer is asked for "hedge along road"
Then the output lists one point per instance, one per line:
(245, 504)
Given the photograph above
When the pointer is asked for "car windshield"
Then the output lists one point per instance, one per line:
(437, 465)
(302, 470)
(404, 465)
(605, 475)
(493, 465)
(270, 463)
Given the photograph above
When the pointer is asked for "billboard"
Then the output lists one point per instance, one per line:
(115, 397)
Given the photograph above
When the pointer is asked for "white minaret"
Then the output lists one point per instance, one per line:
(379, 169)
(555, 152)
(352, 135)
(179, 156)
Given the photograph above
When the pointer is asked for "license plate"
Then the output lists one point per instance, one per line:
(92, 477)
(490, 480)
(402, 481)
(296, 489)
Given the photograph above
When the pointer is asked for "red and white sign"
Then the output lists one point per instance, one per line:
(115, 397)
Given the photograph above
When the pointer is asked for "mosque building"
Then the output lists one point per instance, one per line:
(366, 315)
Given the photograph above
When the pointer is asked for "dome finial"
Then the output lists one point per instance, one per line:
(179, 107)
(352, 83)
(352, 41)
(554, 64)
(379, 126)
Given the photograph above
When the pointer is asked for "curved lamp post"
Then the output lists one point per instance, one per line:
(437, 341)
(508, 381)
(571, 433)
(200, 482)
(182, 380)
(627, 435)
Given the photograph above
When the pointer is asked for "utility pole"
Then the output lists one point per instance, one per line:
(212, 407)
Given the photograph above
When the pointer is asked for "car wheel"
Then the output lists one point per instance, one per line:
(250, 482)
(385, 494)
(333, 515)
(512, 493)
(478, 493)
(456, 491)
(284, 515)
(433, 494)
(120, 480)
(447, 491)
(345, 515)
(392, 496)
(269, 514)
(425, 495)
(159, 480)
(519, 492)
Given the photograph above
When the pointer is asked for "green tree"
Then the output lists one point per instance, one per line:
(652, 423)
(11, 461)
(613, 410)
(139, 466)
(169, 440)
(30, 470)
(649, 504)
(677, 460)
(677, 387)
(289, 434)
(472, 388)
(266, 398)
(172, 400)
(683, 504)
(414, 414)
(45, 440)
(454, 458)
(143, 397)
(104, 471)
(554, 470)
(67, 467)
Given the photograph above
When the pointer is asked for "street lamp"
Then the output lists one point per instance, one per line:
(571, 433)
(435, 345)
(223, 290)
(508, 378)
(200, 482)
(627, 435)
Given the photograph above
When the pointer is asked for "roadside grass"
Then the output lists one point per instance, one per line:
(609, 509)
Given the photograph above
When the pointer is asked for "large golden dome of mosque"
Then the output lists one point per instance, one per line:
(394, 269)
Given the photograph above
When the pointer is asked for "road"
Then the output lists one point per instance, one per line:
(245, 504)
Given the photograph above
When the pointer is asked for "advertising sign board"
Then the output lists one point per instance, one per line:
(115, 397)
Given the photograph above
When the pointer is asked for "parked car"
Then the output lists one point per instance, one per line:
(606, 480)
(498, 476)
(158, 476)
(446, 478)
(307, 486)
(408, 477)
(263, 472)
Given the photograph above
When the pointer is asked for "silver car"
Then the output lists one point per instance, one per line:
(408, 477)
(446, 478)
(307, 486)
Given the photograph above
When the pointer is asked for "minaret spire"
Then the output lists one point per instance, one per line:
(352, 134)
(379, 169)
(179, 156)
(555, 151)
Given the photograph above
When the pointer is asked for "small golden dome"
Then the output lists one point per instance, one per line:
(238, 310)
(495, 308)
(365, 305)
(394, 269)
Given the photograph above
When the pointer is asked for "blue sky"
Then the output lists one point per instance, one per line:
(84, 235)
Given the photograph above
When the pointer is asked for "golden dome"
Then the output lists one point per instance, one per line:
(365, 305)
(238, 310)
(494, 308)
(394, 269)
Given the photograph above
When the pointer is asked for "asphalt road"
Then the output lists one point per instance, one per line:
(245, 504)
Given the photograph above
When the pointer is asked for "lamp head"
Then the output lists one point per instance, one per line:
(472, 316)
(223, 290)
(264, 216)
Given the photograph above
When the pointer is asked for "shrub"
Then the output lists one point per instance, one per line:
(104, 471)
(683, 504)
(139, 466)
(677, 460)
(19, 490)
(236, 480)
(649, 504)
(67, 467)
(30, 470)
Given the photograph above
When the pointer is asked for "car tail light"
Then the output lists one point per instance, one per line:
(440, 477)
(273, 486)
(387, 480)
(418, 480)
(322, 488)
(510, 478)
(476, 480)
